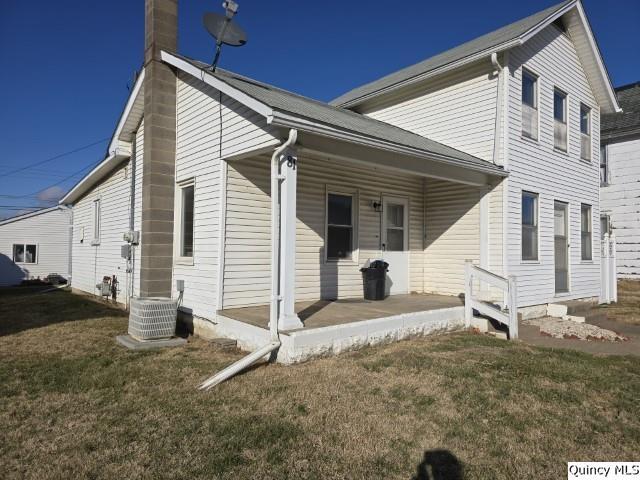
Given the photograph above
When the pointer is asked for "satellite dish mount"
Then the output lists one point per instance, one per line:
(224, 30)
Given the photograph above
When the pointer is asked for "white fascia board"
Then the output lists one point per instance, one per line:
(218, 84)
(94, 176)
(287, 121)
(596, 53)
(114, 144)
(546, 22)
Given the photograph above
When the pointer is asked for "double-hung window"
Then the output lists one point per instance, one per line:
(605, 225)
(604, 166)
(25, 253)
(529, 104)
(585, 132)
(560, 120)
(339, 243)
(585, 232)
(186, 211)
(529, 226)
(96, 221)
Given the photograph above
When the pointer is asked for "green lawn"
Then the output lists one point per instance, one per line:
(73, 404)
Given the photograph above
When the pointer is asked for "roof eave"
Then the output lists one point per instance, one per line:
(286, 120)
(93, 177)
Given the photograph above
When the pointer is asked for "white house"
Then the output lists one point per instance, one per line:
(620, 179)
(487, 152)
(35, 245)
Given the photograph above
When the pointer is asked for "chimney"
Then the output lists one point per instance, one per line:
(159, 155)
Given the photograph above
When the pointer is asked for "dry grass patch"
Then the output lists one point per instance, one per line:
(627, 309)
(73, 404)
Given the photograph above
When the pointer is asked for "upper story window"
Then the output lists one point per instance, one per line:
(529, 226)
(339, 226)
(604, 166)
(25, 253)
(585, 132)
(96, 221)
(605, 225)
(585, 232)
(560, 120)
(529, 104)
(186, 210)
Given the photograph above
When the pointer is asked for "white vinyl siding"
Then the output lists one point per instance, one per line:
(49, 233)
(247, 252)
(620, 199)
(206, 132)
(457, 109)
(554, 175)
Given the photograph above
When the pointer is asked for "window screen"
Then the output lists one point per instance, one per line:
(560, 120)
(529, 226)
(585, 232)
(339, 226)
(529, 105)
(187, 210)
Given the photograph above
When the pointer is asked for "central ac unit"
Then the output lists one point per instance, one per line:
(152, 318)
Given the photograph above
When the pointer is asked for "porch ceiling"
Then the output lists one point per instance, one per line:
(348, 151)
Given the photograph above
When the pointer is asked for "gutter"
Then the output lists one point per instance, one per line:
(274, 343)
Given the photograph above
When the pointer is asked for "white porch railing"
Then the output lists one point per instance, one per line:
(507, 315)
(608, 270)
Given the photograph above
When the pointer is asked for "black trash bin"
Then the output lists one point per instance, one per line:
(374, 280)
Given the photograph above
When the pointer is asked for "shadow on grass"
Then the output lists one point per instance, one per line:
(27, 309)
(439, 465)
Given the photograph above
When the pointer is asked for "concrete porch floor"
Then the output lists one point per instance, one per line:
(325, 313)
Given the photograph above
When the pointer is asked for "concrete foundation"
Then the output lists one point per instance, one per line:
(133, 344)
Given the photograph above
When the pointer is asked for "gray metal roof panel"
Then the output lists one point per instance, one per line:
(475, 46)
(341, 118)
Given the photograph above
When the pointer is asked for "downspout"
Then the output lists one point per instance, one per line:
(274, 343)
(499, 101)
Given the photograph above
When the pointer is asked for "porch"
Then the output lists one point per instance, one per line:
(331, 327)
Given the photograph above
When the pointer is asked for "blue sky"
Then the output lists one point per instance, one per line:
(66, 65)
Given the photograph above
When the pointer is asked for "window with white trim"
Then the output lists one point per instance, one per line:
(96, 220)
(585, 132)
(529, 105)
(604, 166)
(340, 217)
(560, 120)
(25, 253)
(529, 226)
(605, 225)
(187, 210)
(585, 232)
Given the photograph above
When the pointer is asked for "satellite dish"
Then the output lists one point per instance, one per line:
(222, 28)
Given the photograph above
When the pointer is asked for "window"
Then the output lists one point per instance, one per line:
(605, 226)
(186, 220)
(585, 231)
(25, 253)
(585, 132)
(529, 226)
(560, 120)
(604, 166)
(529, 105)
(96, 221)
(339, 226)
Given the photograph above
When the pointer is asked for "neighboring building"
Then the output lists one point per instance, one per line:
(487, 152)
(620, 179)
(35, 245)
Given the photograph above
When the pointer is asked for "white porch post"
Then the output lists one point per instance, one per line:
(288, 318)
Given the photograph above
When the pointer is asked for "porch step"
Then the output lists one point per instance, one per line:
(576, 311)
(223, 343)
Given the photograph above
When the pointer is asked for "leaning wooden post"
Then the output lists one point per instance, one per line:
(513, 307)
(468, 292)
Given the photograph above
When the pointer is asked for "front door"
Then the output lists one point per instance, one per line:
(395, 243)
(561, 246)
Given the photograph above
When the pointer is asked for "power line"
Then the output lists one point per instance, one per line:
(79, 149)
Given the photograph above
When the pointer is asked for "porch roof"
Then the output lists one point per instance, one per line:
(282, 107)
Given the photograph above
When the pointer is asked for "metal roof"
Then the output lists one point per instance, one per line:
(488, 42)
(627, 123)
(341, 118)
(24, 216)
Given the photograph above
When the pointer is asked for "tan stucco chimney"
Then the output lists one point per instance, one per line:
(159, 155)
